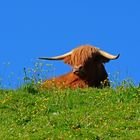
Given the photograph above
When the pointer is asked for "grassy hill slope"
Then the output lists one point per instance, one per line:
(70, 114)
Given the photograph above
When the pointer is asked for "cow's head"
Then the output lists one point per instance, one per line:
(83, 57)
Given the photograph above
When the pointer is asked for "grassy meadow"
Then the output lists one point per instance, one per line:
(27, 113)
(81, 114)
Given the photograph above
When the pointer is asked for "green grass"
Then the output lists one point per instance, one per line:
(82, 114)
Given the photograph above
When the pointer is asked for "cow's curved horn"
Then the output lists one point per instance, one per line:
(107, 55)
(60, 57)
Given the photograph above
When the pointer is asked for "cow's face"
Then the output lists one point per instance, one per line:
(83, 68)
(81, 60)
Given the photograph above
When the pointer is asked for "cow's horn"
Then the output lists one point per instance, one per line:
(60, 57)
(108, 56)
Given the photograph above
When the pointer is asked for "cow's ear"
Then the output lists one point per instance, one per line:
(102, 59)
(68, 60)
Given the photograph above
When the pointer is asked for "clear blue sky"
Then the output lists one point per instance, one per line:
(30, 29)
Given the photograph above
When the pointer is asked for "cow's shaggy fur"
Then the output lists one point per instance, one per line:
(93, 73)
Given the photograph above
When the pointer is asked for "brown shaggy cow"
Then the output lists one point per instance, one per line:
(88, 68)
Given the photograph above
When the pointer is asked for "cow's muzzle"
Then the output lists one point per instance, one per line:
(77, 70)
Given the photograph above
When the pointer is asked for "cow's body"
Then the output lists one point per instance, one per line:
(71, 80)
(68, 80)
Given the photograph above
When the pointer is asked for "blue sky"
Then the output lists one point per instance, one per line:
(30, 29)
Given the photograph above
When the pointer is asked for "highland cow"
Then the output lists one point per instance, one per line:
(88, 69)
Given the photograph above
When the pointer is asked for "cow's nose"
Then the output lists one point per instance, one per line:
(77, 69)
